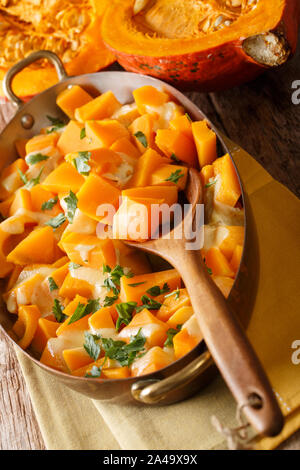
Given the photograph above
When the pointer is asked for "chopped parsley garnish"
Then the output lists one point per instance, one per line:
(189, 117)
(125, 311)
(148, 303)
(35, 158)
(170, 335)
(209, 270)
(74, 266)
(48, 205)
(81, 163)
(210, 183)
(33, 181)
(112, 282)
(52, 284)
(175, 176)
(57, 221)
(22, 176)
(82, 133)
(135, 284)
(56, 123)
(110, 300)
(92, 345)
(141, 138)
(71, 201)
(175, 292)
(122, 352)
(84, 309)
(156, 290)
(57, 311)
(175, 158)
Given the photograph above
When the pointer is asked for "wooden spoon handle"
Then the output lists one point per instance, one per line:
(228, 344)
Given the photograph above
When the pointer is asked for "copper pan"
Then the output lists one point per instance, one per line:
(192, 372)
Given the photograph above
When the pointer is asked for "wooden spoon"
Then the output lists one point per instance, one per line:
(223, 334)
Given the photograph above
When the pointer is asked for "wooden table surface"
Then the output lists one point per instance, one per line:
(261, 117)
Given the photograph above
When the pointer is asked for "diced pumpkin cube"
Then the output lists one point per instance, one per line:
(99, 108)
(228, 191)
(169, 194)
(60, 262)
(63, 179)
(172, 142)
(206, 143)
(236, 258)
(224, 284)
(182, 124)
(20, 145)
(103, 320)
(155, 359)
(52, 358)
(76, 358)
(137, 219)
(154, 330)
(5, 206)
(105, 133)
(125, 146)
(26, 325)
(146, 165)
(22, 200)
(86, 370)
(70, 139)
(72, 98)
(172, 303)
(73, 286)
(10, 179)
(126, 114)
(41, 142)
(235, 237)
(142, 130)
(135, 260)
(60, 274)
(180, 316)
(13, 277)
(170, 175)
(102, 160)
(133, 288)
(75, 327)
(206, 173)
(71, 307)
(39, 196)
(149, 96)
(37, 247)
(89, 250)
(46, 329)
(189, 336)
(116, 373)
(95, 192)
(216, 261)
(23, 292)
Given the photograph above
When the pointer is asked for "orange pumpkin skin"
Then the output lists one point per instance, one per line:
(214, 68)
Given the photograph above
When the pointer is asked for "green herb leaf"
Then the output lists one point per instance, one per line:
(175, 158)
(135, 284)
(91, 345)
(211, 183)
(82, 133)
(110, 300)
(92, 306)
(35, 180)
(208, 269)
(124, 353)
(22, 176)
(95, 371)
(112, 282)
(74, 266)
(175, 176)
(57, 221)
(78, 314)
(148, 303)
(189, 117)
(35, 158)
(141, 138)
(170, 335)
(156, 290)
(57, 311)
(52, 284)
(71, 201)
(81, 163)
(48, 205)
(56, 123)
(125, 311)
(175, 292)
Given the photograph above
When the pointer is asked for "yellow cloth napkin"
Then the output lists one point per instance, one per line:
(71, 421)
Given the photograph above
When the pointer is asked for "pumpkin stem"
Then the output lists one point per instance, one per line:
(270, 48)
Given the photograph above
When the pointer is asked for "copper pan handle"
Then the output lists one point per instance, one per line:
(22, 64)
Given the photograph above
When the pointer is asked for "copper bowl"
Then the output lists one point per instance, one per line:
(190, 373)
